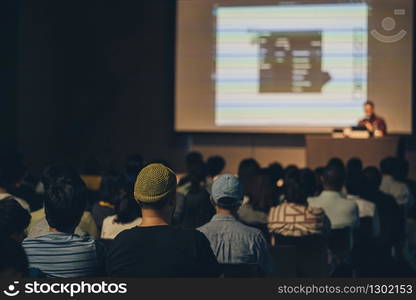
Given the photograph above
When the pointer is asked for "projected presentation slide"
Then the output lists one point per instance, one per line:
(291, 65)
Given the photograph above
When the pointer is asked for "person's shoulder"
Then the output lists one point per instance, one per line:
(108, 220)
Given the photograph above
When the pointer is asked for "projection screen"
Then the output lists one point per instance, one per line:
(292, 67)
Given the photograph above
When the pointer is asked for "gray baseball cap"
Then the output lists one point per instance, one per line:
(226, 191)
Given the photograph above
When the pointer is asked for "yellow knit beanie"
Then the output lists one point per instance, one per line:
(153, 183)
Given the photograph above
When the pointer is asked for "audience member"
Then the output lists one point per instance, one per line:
(109, 194)
(155, 248)
(341, 212)
(366, 209)
(13, 259)
(391, 186)
(192, 159)
(215, 165)
(246, 170)
(127, 216)
(14, 220)
(60, 252)
(232, 241)
(8, 182)
(260, 198)
(196, 208)
(390, 216)
(294, 217)
(39, 225)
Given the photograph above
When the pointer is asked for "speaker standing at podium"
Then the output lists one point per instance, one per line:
(374, 124)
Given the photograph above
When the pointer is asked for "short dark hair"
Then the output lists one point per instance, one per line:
(369, 102)
(13, 217)
(215, 165)
(334, 176)
(388, 165)
(372, 178)
(192, 158)
(13, 257)
(55, 171)
(127, 210)
(65, 202)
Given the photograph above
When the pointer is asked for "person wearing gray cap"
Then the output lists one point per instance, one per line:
(232, 241)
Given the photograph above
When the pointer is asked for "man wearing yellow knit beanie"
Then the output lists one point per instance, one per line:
(155, 248)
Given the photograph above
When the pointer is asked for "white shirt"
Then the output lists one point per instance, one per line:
(341, 211)
(111, 229)
(397, 189)
(22, 202)
(367, 209)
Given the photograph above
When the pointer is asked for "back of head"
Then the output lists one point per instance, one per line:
(215, 165)
(55, 171)
(227, 192)
(388, 165)
(127, 210)
(14, 219)
(192, 158)
(295, 188)
(336, 161)
(309, 182)
(197, 174)
(261, 193)
(354, 166)
(154, 185)
(13, 259)
(372, 177)
(132, 166)
(334, 177)
(355, 184)
(12, 170)
(111, 189)
(248, 167)
(276, 172)
(65, 202)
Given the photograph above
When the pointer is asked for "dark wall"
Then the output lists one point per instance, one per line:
(9, 32)
(96, 78)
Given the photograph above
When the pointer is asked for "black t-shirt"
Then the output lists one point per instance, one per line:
(161, 251)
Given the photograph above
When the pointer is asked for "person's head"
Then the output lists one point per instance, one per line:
(248, 167)
(336, 161)
(355, 184)
(354, 166)
(227, 194)
(295, 191)
(13, 259)
(276, 172)
(388, 165)
(261, 192)
(14, 219)
(309, 182)
(197, 175)
(372, 177)
(11, 172)
(192, 158)
(132, 166)
(55, 171)
(402, 170)
(369, 109)
(111, 189)
(65, 201)
(155, 191)
(333, 177)
(127, 210)
(215, 165)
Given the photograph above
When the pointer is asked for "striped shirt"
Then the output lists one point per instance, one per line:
(64, 255)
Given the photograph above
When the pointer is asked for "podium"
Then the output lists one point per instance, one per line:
(321, 148)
